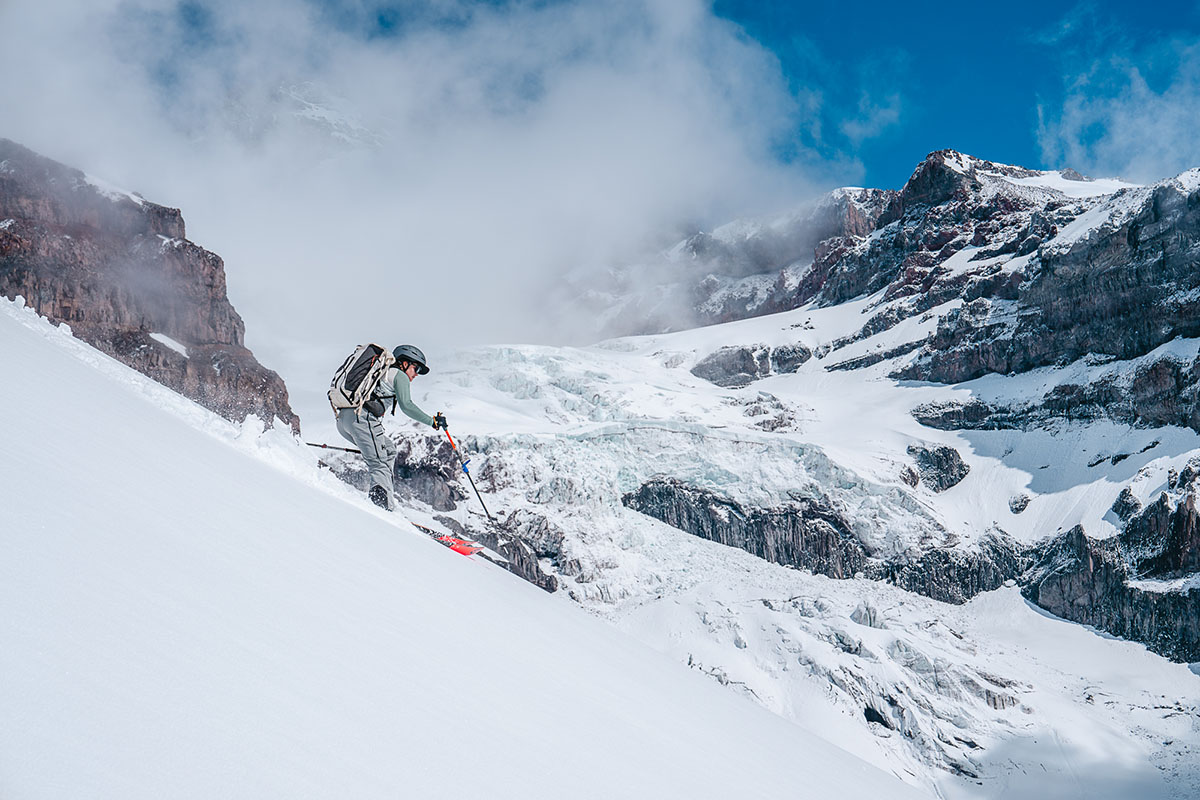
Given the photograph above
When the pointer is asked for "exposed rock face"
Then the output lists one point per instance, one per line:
(506, 538)
(1163, 540)
(1141, 584)
(812, 535)
(940, 467)
(427, 470)
(808, 535)
(737, 271)
(741, 365)
(1123, 290)
(1071, 576)
(1087, 581)
(1149, 392)
(118, 268)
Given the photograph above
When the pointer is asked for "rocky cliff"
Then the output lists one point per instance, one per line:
(972, 269)
(742, 269)
(814, 535)
(426, 471)
(121, 272)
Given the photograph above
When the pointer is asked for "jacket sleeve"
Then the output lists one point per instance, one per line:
(400, 385)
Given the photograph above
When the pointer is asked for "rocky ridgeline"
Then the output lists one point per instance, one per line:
(426, 471)
(1121, 585)
(740, 270)
(118, 268)
(811, 534)
(1025, 277)
(1040, 284)
(1142, 584)
(1125, 288)
(1044, 278)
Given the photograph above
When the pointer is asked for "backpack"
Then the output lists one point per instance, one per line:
(357, 377)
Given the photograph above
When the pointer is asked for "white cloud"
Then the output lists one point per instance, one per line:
(874, 117)
(1130, 114)
(419, 186)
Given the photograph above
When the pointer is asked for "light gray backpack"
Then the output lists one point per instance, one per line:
(357, 377)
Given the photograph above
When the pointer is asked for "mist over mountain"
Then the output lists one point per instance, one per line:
(120, 270)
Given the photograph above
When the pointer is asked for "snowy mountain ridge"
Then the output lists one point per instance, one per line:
(988, 217)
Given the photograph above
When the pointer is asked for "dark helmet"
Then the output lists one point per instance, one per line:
(406, 352)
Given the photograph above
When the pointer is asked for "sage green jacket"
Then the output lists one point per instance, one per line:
(398, 389)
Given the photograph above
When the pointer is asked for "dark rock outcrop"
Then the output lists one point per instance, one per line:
(1126, 505)
(1071, 576)
(517, 555)
(940, 467)
(1163, 540)
(1155, 393)
(734, 366)
(1141, 584)
(427, 470)
(1129, 287)
(741, 365)
(118, 268)
(811, 534)
(1087, 581)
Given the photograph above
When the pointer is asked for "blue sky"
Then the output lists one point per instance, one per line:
(968, 76)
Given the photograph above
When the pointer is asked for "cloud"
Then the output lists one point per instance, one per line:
(874, 117)
(410, 171)
(1083, 20)
(1130, 113)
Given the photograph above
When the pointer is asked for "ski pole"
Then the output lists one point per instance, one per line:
(468, 474)
(331, 447)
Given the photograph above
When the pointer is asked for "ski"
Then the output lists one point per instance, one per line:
(464, 546)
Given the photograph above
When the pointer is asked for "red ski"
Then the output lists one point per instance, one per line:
(464, 546)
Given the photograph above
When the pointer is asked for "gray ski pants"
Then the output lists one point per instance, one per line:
(367, 434)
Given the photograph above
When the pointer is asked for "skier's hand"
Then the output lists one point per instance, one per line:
(440, 423)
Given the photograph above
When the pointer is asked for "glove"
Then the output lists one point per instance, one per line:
(439, 422)
(375, 407)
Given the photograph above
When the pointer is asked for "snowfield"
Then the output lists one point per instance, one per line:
(190, 608)
(992, 699)
(197, 609)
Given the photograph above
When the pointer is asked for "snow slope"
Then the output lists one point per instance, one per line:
(987, 700)
(193, 609)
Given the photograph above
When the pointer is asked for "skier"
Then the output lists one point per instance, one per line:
(366, 432)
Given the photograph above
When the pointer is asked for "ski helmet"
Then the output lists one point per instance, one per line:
(406, 352)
